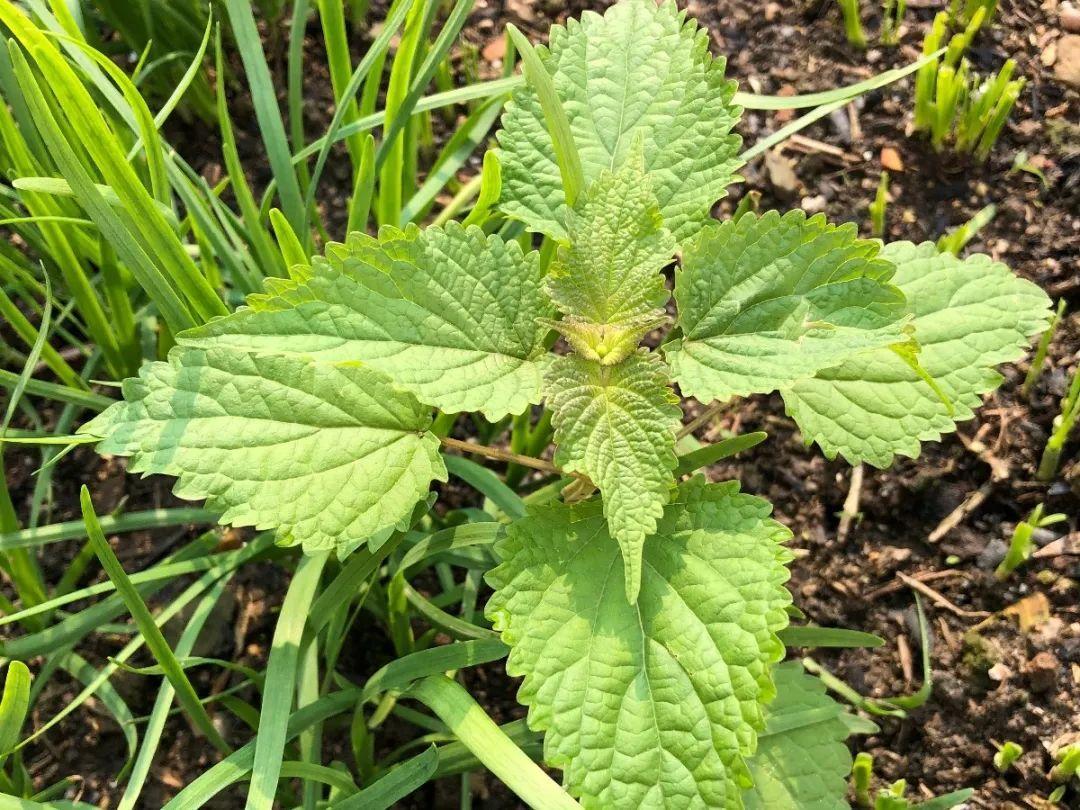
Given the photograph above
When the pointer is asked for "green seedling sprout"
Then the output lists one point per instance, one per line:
(862, 772)
(1038, 362)
(957, 239)
(892, 797)
(1057, 794)
(878, 207)
(963, 11)
(892, 16)
(852, 24)
(1063, 425)
(1007, 755)
(926, 78)
(1067, 763)
(1022, 545)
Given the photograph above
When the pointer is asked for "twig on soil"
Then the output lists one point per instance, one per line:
(504, 455)
(954, 518)
(851, 504)
(896, 586)
(1069, 544)
(938, 599)
(700, 419)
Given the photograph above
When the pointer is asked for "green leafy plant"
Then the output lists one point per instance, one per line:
(1021, 546)
(1038, 362)
(649, 621)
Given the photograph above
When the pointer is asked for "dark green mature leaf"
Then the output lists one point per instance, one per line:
(448, 313)
(330, 454)
(653, 705)
(640, 71)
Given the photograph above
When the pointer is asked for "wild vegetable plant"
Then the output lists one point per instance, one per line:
(648, 620)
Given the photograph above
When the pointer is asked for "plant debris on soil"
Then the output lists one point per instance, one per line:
(1005, 656)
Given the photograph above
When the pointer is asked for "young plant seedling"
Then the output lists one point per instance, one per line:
(853, 29)
(1066, 763)
(1038, 362)
(647, 620)
(1007, 755)
(1063, 425)
(1022, 545)
(892, 17)
(957, 239)
(879, 206)
(862, 774)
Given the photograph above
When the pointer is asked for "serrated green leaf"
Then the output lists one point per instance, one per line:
(765, 301)
(802, 762)
(968, 316)
(616, 425)
(609, 270)
(326, 453)
(639, 71)
(653, 705)
(448, 313)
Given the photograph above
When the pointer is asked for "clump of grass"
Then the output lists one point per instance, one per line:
(892, 16)
(954, 105)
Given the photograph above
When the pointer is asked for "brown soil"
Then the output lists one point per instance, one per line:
(1034, 695)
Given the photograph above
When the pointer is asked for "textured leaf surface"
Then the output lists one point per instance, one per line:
(329, 454)
(653, 705)
(639, 71)
(610, 270)
(616, 424)
(449, 313)
(802, 761)
(769, 300)
(969, 316)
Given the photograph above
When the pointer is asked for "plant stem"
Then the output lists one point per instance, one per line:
(503, 455)
(489, 743)
(1037, 363)
(700, 419)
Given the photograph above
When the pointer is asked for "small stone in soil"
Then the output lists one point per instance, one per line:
(1041, 671)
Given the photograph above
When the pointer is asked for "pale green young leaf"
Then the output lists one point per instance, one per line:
(326, 453)
(765, 301)
(802, 761)
(616, 425)
(968, 316)
(653, 705)
(609, 272)
(448, 313)
(639, 71)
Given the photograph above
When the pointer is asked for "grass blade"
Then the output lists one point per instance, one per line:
(395, 785)
(281, 672)
(13, 706)
(144, 620)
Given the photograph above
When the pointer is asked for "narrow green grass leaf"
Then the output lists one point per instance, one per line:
(264, 98)
(111, 524)
(292, 251)
(155, 641)
(562, 137)
(13, 706)
(398, 783)
(281, 672)
(703, 457)
(488, 484)
(794, 636)
(62, 393)
(471, 724)
(104, 692)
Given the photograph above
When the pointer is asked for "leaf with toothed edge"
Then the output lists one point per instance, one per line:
(641, 70)
(326, 453)
(449, 313)
(616, 425)
(802, 761)
(968, 316)
(768, 300)
(658, 704)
